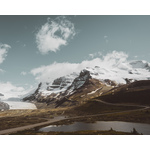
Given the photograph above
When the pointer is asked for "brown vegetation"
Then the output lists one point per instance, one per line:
(137, 93)
(95, 107)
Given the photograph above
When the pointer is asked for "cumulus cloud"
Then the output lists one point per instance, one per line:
(10, 90)
(115, 58)
(23, 73)
(54, 33)
(55, 70)
(3, 51)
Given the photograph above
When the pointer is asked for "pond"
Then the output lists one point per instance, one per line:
(100, 125)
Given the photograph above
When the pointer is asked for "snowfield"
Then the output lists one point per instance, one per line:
(135, 70)
(20, 105)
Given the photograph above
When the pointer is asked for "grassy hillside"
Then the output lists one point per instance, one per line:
(95, 107)
(137, 92)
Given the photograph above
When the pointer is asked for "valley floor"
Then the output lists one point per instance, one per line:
(88, 112)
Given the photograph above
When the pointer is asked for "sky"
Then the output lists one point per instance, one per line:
(41, 48)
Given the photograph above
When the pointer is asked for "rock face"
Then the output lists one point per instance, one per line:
(33, 96)
(78, 82)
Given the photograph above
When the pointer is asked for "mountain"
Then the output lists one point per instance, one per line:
(91, 82)
(69, 90)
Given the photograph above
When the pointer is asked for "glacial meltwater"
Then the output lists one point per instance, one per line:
(100, 125)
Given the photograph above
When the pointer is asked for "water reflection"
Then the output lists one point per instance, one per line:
(100, 125)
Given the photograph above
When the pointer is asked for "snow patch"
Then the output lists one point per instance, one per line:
(94, 91)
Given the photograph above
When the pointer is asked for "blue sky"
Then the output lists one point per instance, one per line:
(34, 46)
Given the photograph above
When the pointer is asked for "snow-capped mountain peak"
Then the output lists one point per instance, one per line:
(65, 86)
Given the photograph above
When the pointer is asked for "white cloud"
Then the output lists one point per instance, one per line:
(23, 73)
(115, 57)
(9, 90)
(12, 91)
(55, 70)
(54, 33)
(95, 54)
(3, 51)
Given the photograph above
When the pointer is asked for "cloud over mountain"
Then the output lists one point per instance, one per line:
(109, 61)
